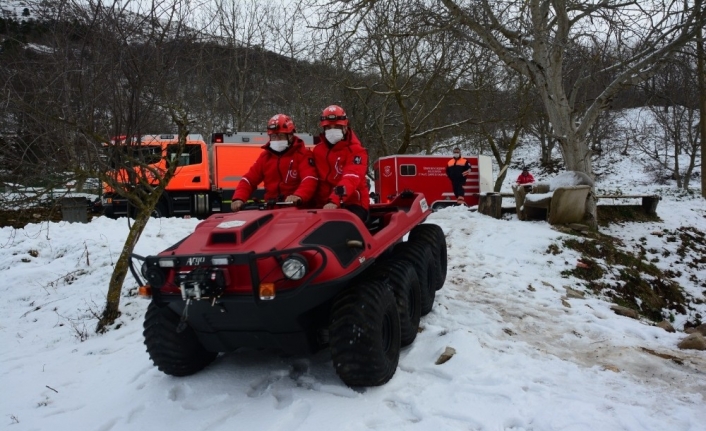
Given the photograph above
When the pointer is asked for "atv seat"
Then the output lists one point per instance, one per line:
(379, 218)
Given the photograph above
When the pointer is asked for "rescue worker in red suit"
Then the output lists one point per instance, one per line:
(525, 177)
(286, 166)
(457, 169)
(342, 163)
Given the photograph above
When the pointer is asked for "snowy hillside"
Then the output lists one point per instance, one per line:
(535, 349)
(19, 9)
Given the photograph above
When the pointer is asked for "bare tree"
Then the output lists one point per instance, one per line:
(602, 132)
(541, 128)
(156, 82)
(674, 108)
(701, 73)
(403, 76)
(680, 128)
(255, 62)
(241, 69)
(666, 137)
(504, 101)
(532, 37)
(108, 72)
(43, 95)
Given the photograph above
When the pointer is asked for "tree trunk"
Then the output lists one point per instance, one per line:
(491, 204)
(503, 162)
(112, 304)
(501, 179)
(701, 68)
(547, 148)
(80, 183)
(577, 157)
(145, 203)
(677, 174)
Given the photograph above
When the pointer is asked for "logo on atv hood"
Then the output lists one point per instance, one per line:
(231, 223)
(194, 261)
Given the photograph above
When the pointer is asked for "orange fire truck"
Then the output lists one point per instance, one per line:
(427, 174)
(206, 176)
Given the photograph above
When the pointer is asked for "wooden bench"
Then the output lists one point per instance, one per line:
(649, 202)
(563, 205)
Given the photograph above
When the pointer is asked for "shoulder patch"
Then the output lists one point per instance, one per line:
(311, 161)
(357, 160)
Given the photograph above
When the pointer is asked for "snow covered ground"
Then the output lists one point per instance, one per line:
(527, 356)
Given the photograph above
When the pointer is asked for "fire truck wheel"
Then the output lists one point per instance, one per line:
(420, 256)
(364, 334)
(160, 211)
(434, 236)
(400, 277)
(174, 353)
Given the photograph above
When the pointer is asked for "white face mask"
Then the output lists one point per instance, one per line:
(334, 135)
(279, 146)
(457, 156)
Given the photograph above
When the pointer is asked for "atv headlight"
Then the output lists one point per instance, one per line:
(220, 260)
(294, 267)
(167, 263)
(155, 278)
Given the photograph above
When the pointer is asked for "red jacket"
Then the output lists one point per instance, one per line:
(289, 173)
(525, 179)
(344, 164)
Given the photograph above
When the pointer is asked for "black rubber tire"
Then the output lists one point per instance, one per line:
(364, 334)
(176, 354)
(400, 277)
(434, 236)
(420, 256)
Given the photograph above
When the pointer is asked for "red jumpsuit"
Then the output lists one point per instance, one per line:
(288, 173)
(343, 164)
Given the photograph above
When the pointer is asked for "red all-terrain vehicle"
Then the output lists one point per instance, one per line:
(299, 280)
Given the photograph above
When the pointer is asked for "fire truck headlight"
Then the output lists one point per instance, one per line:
(294, 267)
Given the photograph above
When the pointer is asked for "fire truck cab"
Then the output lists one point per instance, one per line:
(206, 176)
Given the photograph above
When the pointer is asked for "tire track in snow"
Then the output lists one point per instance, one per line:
(538, 318)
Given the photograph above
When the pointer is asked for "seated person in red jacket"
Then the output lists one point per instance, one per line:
(341, 161)
(525, 177)
(286, 166)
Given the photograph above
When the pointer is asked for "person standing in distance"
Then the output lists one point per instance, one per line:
(342, 163)
(457, 169)
(525, 178)
(286, 166)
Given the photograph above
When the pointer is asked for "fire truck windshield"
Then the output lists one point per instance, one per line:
(125, 156)
(190, 155)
